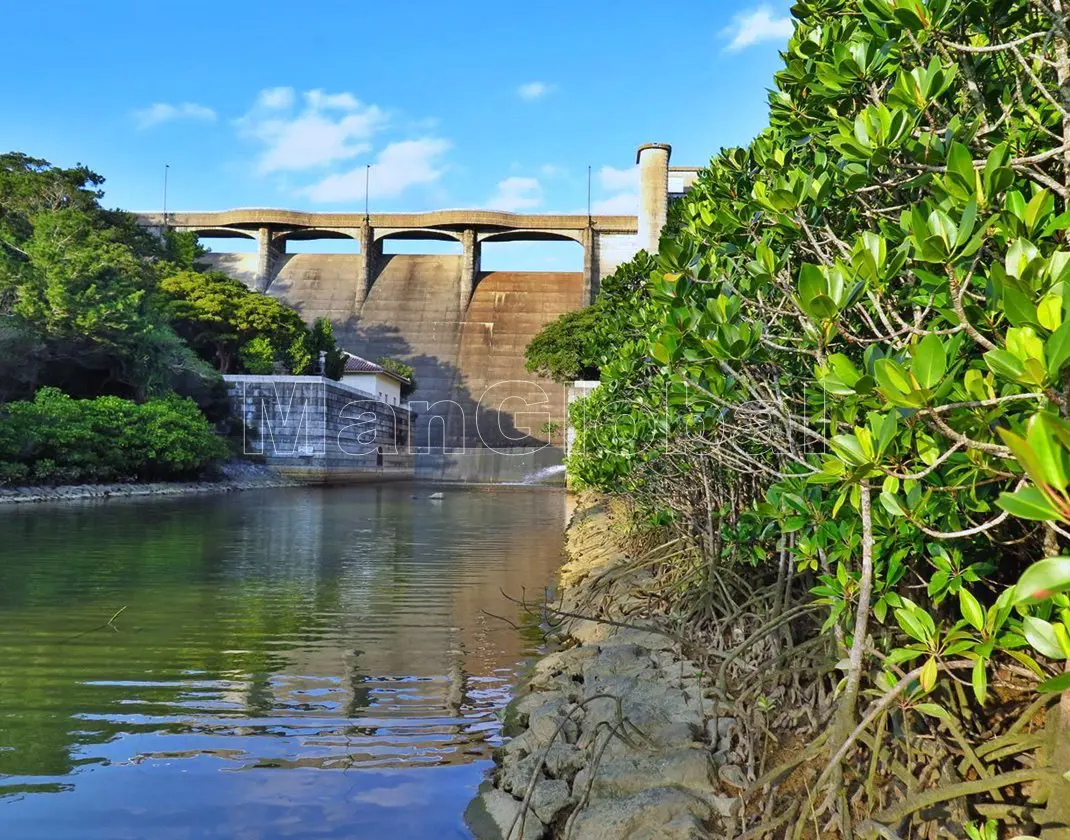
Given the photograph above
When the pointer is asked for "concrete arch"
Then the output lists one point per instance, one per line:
(534, 236)
(381, 234)
(307, 234)
(222, 233)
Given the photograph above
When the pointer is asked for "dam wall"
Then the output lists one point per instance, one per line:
(468, 355)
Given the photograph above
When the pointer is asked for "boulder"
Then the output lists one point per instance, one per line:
(516, 772)
(549, 797)
(491, 814)
(655, 814)
(688, 769)
(563, 761)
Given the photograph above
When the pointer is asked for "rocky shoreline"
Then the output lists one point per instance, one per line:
(614, 736)
(234, 477)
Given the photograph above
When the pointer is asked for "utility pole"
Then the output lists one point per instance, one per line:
(589, 222)
(166, 167)
(367, 182)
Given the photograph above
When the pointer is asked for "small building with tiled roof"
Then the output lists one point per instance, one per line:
(374, 379)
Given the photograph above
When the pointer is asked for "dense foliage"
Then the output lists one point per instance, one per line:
(851, 372)
(56, 439)
(95, 306)
(577, 344)
(240, 330)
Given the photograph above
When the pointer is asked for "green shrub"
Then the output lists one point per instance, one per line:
(56, 439)
(258, 356)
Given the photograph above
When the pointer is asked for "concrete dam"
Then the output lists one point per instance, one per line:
(463, 330)
(468, 360)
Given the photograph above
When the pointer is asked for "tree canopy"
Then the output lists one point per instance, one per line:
(96, 307)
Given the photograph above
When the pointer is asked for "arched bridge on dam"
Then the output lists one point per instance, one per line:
(462, 329)
(606, 240)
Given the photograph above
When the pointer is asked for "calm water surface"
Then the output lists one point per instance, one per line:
(314, 663)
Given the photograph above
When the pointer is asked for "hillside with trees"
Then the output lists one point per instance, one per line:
(103, 324)
(842, 396)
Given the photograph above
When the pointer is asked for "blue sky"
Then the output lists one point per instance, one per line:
(479, 104)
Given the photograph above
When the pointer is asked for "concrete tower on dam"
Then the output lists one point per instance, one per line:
(464, 330)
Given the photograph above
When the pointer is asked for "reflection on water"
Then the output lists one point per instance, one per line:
(305, 663)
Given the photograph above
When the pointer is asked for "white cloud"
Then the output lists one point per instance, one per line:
(619, 179)
(622, 189)
(621, 204)
(756, 26)
(533, 90)
(275, 98)
(399, 166)
(161, 112)
(331, 127)
(516, 193)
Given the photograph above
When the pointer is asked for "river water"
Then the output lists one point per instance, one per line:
(308, 663)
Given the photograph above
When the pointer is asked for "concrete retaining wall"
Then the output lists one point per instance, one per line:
(517, 465)
(320, 430)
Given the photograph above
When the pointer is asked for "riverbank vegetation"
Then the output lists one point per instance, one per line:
(123, 323)
(839, 405)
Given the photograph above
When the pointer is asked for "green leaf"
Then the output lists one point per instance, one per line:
(1028, 503)
(929, 363)
(971, 609)
(850, 449)
(1041, 635)
(811, 283)
(1019, 308)
(1004, 364)
(1050, 312)
(910, 624)
(891, 504)
(1057, 349)
(960, 164)
(1043, 579)
(895, 384)
(1048, 451)
(933, 709)
(928, 675)
(1055, 684)
(979, 679)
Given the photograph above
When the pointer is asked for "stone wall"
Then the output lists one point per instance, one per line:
(319, 429)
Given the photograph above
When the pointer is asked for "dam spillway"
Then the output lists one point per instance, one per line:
(468, 356)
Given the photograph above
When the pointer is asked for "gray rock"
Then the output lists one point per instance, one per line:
(549, 797)
(491, 814)
(544, 720)
(719, 732)
(619, 660)
(654, 814)
(563, 761)
(732, 776)
(687, 769)
(726, 806)
(516, 772)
